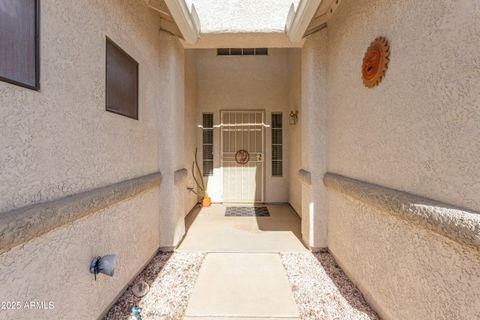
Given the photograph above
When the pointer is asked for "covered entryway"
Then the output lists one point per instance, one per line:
(242, 155)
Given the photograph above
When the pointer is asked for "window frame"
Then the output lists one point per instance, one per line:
(36, 86)
(204, 174)
(109, 40)
(277, 144)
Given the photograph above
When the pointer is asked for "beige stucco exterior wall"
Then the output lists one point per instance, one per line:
(404, 271)
(190, 126)
(55, 267)
(172, 138)
(294, 139)
(60, 141)
(417, 132)
(313, 138)
(242, 83)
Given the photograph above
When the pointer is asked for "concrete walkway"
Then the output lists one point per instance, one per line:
(242, 275)
(243, 268)
(208, 230)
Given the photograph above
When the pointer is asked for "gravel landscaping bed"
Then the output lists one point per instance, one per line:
(171, 277)
(322, 290)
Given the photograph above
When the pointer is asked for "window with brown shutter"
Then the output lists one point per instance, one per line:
(121, 82)
(19, 43)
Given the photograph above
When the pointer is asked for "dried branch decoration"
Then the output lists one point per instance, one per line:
(201, 189)
(375, 62)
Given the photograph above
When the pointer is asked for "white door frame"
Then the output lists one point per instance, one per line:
(262, 112)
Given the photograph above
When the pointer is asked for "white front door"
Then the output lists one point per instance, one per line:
(242, 155)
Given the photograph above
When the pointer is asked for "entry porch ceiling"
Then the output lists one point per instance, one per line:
(243, 23)
(242, 16)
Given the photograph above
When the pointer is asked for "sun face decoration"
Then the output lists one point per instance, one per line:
(242, 157)
(375, 62)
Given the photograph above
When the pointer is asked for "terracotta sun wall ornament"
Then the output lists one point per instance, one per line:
(375, 62)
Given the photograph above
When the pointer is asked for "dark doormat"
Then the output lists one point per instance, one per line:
(247, 212)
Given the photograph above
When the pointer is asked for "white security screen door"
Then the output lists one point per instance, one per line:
(242, 155)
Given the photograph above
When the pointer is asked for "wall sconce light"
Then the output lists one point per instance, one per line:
(293, 118)
(105, 265)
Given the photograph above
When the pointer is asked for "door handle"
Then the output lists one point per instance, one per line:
(259, 157)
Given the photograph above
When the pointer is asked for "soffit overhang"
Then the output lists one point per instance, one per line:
(242, 24)
(308, 17)
(325, 11)
(177, 19)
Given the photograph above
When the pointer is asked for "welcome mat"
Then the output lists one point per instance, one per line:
(247, 212)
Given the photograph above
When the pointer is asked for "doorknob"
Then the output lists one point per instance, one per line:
(259, 157)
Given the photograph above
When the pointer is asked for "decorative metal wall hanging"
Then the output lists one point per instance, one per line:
(242, 157)
(375, 62)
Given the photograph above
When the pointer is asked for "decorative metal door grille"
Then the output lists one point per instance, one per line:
(242, 156)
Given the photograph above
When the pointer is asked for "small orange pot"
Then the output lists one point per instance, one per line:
(206, 202)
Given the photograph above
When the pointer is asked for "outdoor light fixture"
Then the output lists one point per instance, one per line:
(105, 265)
(292, 120)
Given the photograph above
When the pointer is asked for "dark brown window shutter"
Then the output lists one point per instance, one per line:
(121, 82)
(19, 42)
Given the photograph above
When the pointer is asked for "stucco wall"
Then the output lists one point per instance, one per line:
(404, 271)
(417, 132)
(172, 137)
(234, 16)
(242, 83)
(55, 267)
(61, 141)
(313, 132)
(294, 139)
(191, 129)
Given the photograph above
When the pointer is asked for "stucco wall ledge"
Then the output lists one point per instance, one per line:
(458, 224)
(24, 224)
(179, 175)
(305, 176)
